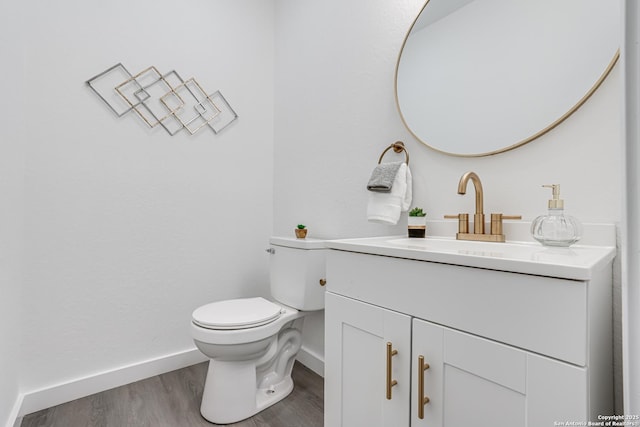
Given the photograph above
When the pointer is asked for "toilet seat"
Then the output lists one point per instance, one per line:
(234, 314)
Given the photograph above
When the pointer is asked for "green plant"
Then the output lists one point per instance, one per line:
(301, 226)
(417, 212)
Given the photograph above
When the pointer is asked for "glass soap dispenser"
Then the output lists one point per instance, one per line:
(555, 228)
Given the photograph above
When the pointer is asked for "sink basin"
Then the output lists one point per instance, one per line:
(577, 262)
(459, 246)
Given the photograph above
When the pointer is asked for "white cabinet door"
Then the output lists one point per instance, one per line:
(474, 381)
(556, 392)
(356, 337)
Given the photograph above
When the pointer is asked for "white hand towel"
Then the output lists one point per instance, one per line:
(386, 207)
(408, 194)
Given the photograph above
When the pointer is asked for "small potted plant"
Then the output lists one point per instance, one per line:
(417, 223)
(301, 231)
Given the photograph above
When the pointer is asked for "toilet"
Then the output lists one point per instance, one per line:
(252, 342)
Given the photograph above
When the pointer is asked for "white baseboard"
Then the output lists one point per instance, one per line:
(47, 397)
(311, 360)
(65, 392)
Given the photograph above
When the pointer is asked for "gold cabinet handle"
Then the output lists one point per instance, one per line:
(422, 399)
(322, 282)
(390, 382)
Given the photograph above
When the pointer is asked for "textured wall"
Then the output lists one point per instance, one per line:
(11, 202)
(129, 229)
(631, 233)
(335, 113)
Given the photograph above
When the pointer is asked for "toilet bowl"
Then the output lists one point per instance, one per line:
(252, 342)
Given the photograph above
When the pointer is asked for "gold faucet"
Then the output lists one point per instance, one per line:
(478, 217)
(496, 234)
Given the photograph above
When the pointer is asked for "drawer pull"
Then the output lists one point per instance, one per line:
(390, 382)
(422, 399)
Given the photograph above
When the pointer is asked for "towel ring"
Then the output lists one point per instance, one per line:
(398, 147)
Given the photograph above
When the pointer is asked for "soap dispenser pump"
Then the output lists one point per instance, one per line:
(555, 228)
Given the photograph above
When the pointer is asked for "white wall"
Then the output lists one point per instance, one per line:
(127, 229)
(11, 198)
(631, 231)
(335, 113)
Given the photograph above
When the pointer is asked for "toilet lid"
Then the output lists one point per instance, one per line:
(236, 313)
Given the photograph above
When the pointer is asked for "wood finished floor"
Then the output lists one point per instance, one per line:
(173, 400)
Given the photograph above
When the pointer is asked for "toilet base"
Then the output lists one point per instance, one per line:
(237, 390)
(274, 394)
(233, 404)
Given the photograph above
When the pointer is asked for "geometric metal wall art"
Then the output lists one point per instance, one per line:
(162, 99)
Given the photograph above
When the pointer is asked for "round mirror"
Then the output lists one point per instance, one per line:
(478, 77)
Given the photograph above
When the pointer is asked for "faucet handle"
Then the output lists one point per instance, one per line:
(511, 216)
(496, 222)
(463, 221)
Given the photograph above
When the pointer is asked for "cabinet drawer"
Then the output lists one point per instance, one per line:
(540, 314)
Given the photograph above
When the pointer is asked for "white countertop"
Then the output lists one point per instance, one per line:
(576, 262)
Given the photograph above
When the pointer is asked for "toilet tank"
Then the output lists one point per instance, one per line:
(297, 268)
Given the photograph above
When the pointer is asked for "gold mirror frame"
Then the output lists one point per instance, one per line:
(534, 136)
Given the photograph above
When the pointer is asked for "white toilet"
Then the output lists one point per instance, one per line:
(253, 342)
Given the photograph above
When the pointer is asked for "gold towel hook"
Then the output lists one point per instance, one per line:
(398, 147)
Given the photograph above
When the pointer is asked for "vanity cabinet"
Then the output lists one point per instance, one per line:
(502, 348)
(356, 361)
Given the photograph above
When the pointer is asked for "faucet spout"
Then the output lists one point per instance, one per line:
(478, 218)
(462, 189)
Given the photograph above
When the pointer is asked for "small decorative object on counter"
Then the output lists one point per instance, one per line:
(417, 223)
(556, 228)
(301, 231)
